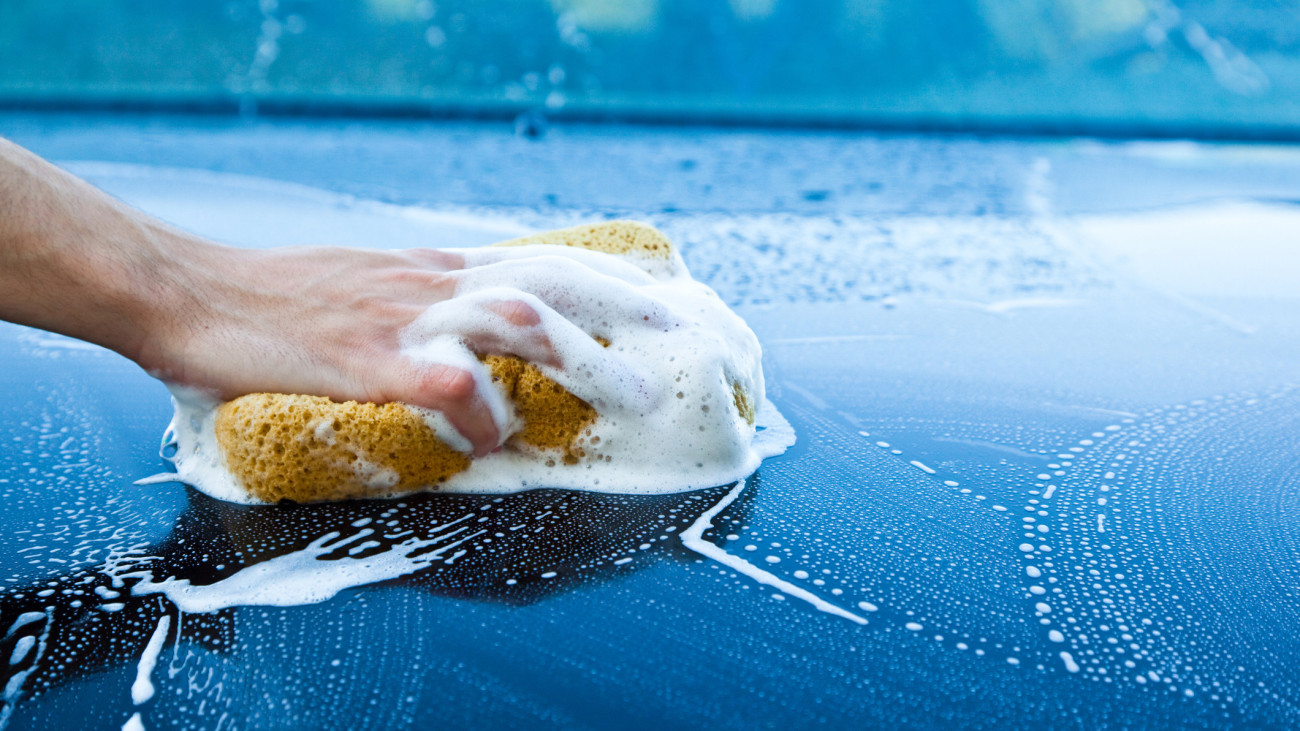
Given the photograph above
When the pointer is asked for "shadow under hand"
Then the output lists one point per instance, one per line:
(514, 549)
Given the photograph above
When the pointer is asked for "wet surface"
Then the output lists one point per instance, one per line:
(1032, 487)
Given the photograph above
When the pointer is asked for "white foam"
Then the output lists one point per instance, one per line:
(663, 389)
(23, 620)
(693, 538)
(302, 577)
(1070, 664)
(142, 689)
(197, 458)
(21, 648)
(317, 573)
(14, 687)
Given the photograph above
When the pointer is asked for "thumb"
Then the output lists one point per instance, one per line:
(451, 390)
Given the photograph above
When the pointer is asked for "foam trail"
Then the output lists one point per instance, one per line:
(774, 435)
(1070, 664)
(23, 620)
(21, 648)
(142, 689)
(14, 688)
(693, 539)
(300, 578)
(304, 577)
(159, 479)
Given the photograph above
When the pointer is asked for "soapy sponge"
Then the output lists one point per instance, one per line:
(311, 449)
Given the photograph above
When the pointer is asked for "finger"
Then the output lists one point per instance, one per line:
(498, 321)
(520, 333)
(454, 392)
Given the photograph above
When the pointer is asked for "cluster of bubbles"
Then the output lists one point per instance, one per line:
(909, 558)
(775, 257)
(1143, 539)
(1153, 552)
(220, 559)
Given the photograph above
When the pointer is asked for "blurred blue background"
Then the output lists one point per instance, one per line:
(1124, 67)
(981, 339)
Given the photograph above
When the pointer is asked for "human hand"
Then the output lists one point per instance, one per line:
(327, 321)
(319, 321)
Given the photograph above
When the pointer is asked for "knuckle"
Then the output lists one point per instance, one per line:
(450, 384)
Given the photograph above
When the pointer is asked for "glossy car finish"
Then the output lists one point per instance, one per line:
(1043, 389)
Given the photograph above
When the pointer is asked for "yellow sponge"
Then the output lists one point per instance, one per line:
(612, 237)
(310, 449)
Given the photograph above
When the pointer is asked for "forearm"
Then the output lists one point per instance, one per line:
(230, 321)
(75, 261)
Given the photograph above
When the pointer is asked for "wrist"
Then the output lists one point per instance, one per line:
(173, 297)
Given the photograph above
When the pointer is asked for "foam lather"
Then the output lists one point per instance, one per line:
(656, 389)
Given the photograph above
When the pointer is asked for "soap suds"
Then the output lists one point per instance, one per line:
(693, 538)
(301, 578)
(13, 689)
(142, 689)
(672, 374)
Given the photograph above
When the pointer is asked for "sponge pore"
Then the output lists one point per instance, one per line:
(309, 448)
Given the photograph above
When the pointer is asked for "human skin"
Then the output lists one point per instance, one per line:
(324, 321)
